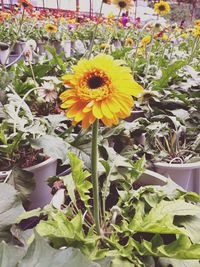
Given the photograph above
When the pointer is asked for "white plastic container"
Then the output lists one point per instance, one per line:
(67, 47)
(41, 196)
(4, 56)
(186, 175)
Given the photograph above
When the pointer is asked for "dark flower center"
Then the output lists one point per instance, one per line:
(51, 28)
(161, 7)
(122, 4)
(95, 82)
(24, 4)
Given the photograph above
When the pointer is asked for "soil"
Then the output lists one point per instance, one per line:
(24, 158)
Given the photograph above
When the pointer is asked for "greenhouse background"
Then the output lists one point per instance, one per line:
(181, 9)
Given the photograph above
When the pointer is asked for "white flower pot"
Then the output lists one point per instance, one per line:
(4, 56)
(19, 48)
(48, 54)
(79, 47)
(186, 175)
(67, 46)
(58, 47)
(41, 48)
(41, 196)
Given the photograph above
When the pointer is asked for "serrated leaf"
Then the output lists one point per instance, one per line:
(40, 254)
(52, 146)
(10, 206)
(10, 255)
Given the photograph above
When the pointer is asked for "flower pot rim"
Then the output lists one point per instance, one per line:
(184, 166)
(37, 166)
(41, 164)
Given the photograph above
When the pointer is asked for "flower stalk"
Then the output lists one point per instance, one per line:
(95, 182)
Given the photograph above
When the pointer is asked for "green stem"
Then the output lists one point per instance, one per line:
(137, 46)
(114, 30)
(32, 71)
(149, 55)
(95, 31)
(95, 176)
(195, 45)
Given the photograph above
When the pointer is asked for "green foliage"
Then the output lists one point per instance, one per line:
(151, 222)
(167, 74)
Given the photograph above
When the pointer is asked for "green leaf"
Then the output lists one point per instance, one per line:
(23, 181)
(168, 73)
(80, 176)
(182, 248)
(10, 255)
(40, 254)
(165, 262)
(118, 262)
(192, 225)
(10, 206)
(52, 146)
(161, 217)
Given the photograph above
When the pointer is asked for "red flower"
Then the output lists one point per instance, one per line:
(25, 3)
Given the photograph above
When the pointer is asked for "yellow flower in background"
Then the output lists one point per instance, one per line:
(123, 4)
(146, 40)
(197, 22)
(111, 16)
(100, 88)
(162, 8)
(165, 37)
(72, 21)
(185, 35)
(104, 46)
(140, 51)
(50, 28)
(129, 42)
(5, 15)
(62, 19)
(196, 31)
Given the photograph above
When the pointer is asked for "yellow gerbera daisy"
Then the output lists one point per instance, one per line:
(100, 88)
(162, 8)
(185, 35)
(129, 42)
(123, 4)
(146, 40)
(104, 46)
(165, 37)
(5, 15)
(50, 28)
(197, 22)
(196, 31)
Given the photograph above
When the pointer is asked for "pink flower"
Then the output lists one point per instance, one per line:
(48, 92)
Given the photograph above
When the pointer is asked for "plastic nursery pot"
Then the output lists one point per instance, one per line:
(186, 175)
(41, 48)
(4, 53)
(67, 47)
(41, 196)
(135, 114)
(58, 47)
(19, 48)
